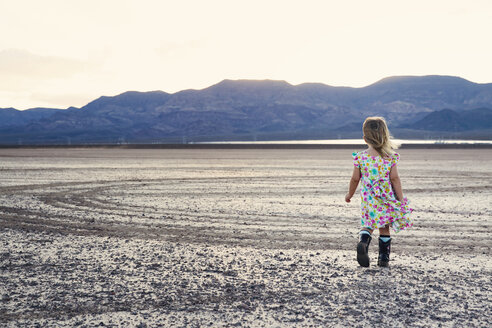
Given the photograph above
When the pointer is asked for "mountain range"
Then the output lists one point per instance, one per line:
(414, 106)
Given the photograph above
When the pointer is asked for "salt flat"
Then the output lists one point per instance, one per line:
(236, 237)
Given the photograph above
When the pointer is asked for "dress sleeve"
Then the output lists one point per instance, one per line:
(395, 158)
(356, 157)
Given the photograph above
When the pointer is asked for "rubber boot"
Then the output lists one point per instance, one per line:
(384, 253)
(362, 250)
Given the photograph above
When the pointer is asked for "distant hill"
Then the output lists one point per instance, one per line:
(450, 120)
(263, 109)
(14, 117)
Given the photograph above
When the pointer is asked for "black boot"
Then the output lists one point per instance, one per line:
(362, 249)
(384, 252)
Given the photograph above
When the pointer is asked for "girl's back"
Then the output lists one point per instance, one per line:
(374, 167)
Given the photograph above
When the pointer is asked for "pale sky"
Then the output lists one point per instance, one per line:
(61, 53)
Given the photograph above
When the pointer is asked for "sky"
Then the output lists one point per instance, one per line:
(61, 53)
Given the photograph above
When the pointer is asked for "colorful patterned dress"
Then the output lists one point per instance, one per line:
(379, 206)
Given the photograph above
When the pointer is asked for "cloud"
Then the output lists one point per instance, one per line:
(19, 63)
(31, 80)
(29, 99)
(62, 99)
(179, 48)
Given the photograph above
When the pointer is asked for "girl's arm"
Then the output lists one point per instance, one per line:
(395, 181)
(354, 182)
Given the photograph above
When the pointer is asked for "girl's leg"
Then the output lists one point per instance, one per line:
(384, 231)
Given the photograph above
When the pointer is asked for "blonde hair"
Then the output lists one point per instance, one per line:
(377, 135)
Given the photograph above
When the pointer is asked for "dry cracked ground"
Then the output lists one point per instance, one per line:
(246, 238)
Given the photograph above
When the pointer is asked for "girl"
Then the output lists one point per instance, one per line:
(382, 201)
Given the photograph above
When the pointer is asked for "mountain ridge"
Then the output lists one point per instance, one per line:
(265, 108)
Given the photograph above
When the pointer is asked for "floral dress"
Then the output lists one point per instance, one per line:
(379, 205)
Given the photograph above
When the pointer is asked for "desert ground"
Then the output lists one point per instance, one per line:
(237, 238)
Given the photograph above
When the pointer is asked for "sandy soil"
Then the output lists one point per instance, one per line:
(224, 238)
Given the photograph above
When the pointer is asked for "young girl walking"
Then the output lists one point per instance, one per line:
(382, 201)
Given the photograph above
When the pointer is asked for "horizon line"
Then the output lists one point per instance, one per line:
(257, 80)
